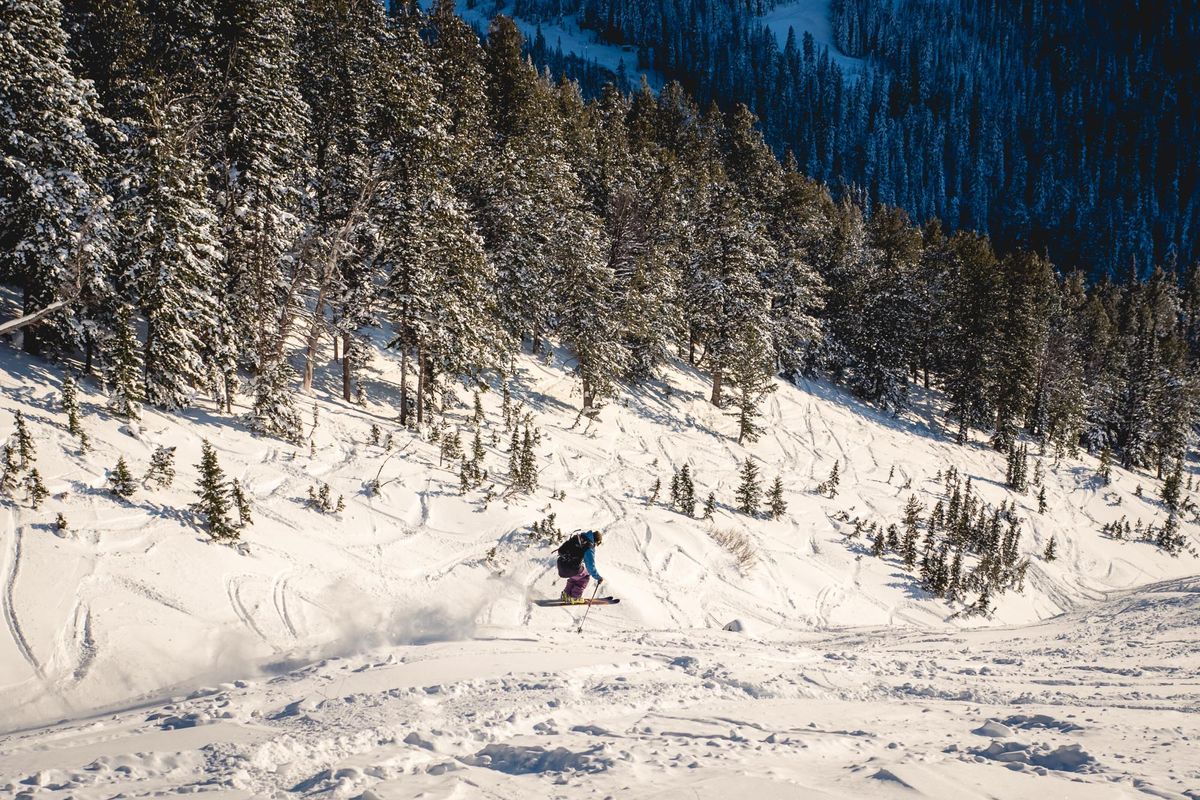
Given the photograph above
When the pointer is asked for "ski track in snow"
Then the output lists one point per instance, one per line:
(12, 567)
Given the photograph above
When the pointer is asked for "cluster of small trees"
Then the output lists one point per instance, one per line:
(748, 497)
(17, 465)
(1167, 537)
(968, 546)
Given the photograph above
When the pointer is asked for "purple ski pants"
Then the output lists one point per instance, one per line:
(578, 582)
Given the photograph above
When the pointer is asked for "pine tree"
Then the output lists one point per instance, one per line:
(687, 492)
(37, 490)
(654, 491)
(1042, 501)
(776, 505)
(161, 472)
(1171, 486)
(878, 546)
(1051, 551)
(749, 492)
(241, 503)
(1104, 471)
(213, 491)
(675, 490)
(55, 230)
(120, 480)
(710, 505)
(274, 412)
(125, 369)
(893, 538)
(60, 522)
(829, 486)
(11, 469)
(26, 450)
(70, 405)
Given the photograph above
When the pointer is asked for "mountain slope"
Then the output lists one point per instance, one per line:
(133, 598)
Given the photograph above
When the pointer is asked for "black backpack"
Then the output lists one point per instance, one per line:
(570, 556)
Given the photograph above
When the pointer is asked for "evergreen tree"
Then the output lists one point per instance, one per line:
(55, 226)
(1042, 500)
(274, 412)
(749, 491)
(1104, 471)
(70, 405)
(125, 370)
(241, 503)
(878, 546)
(120, 480)
(687, 492)
(36, 488)
(1172, 486)
(214, 496)
(776, 505)
(161, 472)
(11, 469)
(25, 447)
(710, 505)
(1051, 551)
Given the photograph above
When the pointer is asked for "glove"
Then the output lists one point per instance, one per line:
(599, 582)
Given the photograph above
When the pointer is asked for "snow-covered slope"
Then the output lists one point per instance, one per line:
(809, 16)
(564, 33)
(132, 605)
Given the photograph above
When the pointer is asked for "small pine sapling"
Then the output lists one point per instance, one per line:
(1105, 469)
(340, 505)
(829, 486)
(241, 503)
(1172, 485)
(120, 480)
(654, 491)
(70, 405)
(891, 473)
(213, 491)
(25, 448)
(878, 545)
(749, 492)
(162, 468)
(37, 490)
(710, 505)
(1051, 551)
(776, 505)
(477, 451)
(11, 469)
(893, 538)
(675, 490)
(477, 415)
(373, 435)
(1042, 501)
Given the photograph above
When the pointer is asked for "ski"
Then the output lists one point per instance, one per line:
(599, 601)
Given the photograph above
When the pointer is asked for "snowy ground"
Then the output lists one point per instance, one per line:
(565, 33)
(809, 16)
(393, 650)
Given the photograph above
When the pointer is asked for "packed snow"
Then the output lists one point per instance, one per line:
(392, 650)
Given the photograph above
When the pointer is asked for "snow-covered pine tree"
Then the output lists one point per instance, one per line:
(125, 369)
(120, 479)
(1051, 551)
(54, 225)
(727, 306)
(177, 261)
(776, 505)
(749, 491)
(710, 505)
(212, 489)
(264, 203)
(26, 450)
(241, 502)
(161, 472)
(70, 405)
(687, 492)
(9, 468)
(36, 489)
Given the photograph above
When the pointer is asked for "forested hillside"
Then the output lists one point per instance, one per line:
(224, 195)
(1064, 127)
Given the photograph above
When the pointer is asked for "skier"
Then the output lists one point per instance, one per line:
(577, 562)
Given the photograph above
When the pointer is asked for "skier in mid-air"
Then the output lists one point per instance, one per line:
(577, 563)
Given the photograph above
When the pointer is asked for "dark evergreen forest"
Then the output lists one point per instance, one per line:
(207, 199)
(1067, 128)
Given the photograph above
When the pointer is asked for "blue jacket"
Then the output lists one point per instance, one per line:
(589, 554)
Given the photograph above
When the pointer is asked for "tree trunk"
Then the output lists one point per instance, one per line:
(420, 385)
(347, 369)
(691, 349)
(535, 341)
(588, 394)
(314, 341)
(404, 385)
(716, 387)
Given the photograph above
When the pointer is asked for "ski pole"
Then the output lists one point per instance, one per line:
(588, 610)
